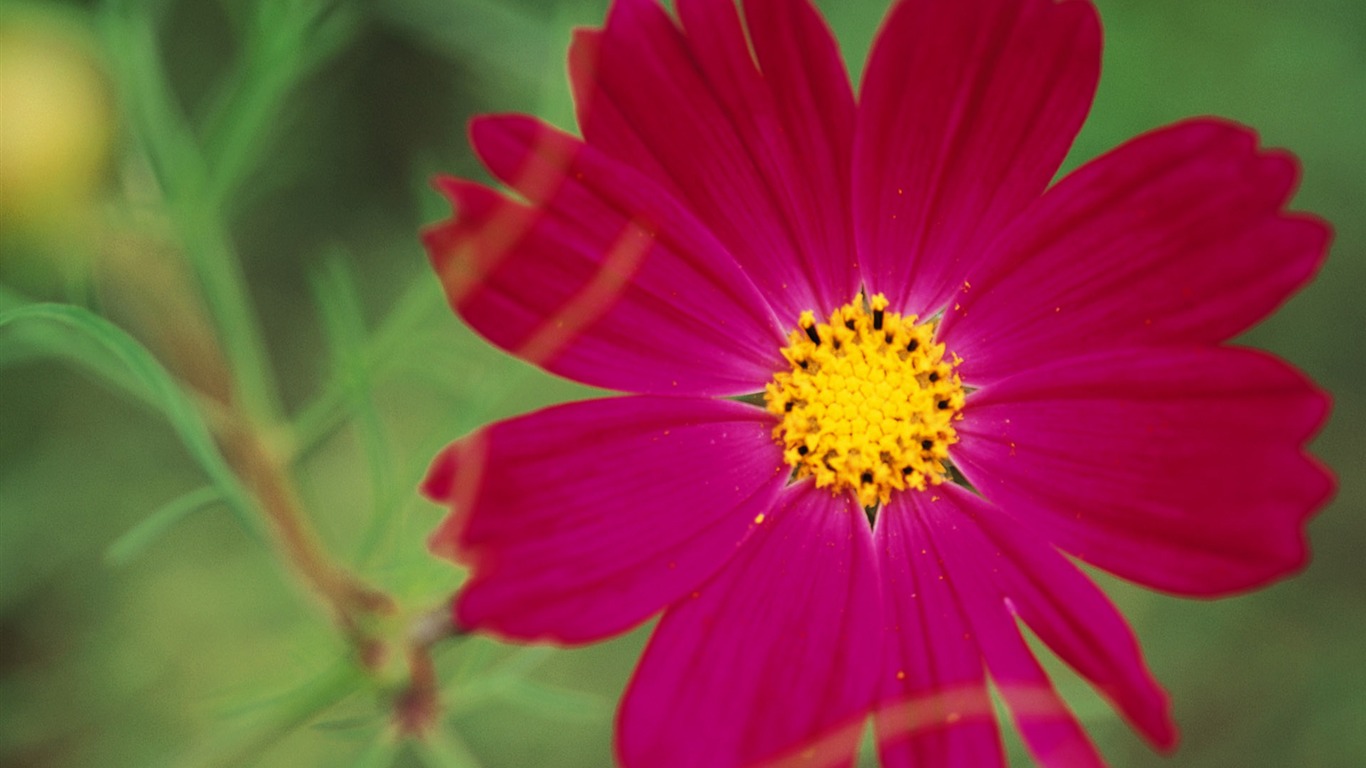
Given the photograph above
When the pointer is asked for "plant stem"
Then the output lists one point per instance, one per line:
(166, 139)
(353, 603)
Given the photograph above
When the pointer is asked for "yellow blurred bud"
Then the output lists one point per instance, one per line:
(56, 124)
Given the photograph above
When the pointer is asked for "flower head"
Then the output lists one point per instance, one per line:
(881, 377)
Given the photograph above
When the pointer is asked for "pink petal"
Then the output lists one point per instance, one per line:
(610, 132)
(934, 708)
(966, 112)
(1177, 236)
(755, 141)
(582, 520)
(773, 661)
(1178, 468)
(1050, 730)
(1071, 615)
(605, 279)
(795, 113)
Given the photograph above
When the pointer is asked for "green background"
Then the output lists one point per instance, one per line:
(195, 647)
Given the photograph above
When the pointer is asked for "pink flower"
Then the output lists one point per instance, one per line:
(882, 377)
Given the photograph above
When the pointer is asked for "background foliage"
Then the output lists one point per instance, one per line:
(275, 153)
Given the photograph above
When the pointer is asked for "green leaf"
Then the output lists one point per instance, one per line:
(321, 417)
(338, 298)
(29, 341)
(381, 753)
(131, 544)
(344, 723)
(556, 703)
(285, 42)
(160, 128)
(442, 749)
(148, 105)
(285, 713)
(107, 351)
(475, 682)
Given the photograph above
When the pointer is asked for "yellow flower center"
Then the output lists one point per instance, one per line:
(869, 404)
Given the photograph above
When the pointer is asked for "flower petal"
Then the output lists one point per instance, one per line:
(605, 279)
(1049, 728)
(610, 132)
(795, 113)
(756, 140)
(966, 112)
(934, 707)
(773, 661)
(1178, 468)
(582, 520)
(1072, 616)
(1177, 236)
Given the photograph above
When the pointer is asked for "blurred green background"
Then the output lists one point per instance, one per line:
(143, 141)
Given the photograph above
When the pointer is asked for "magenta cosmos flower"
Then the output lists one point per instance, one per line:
(884, 379)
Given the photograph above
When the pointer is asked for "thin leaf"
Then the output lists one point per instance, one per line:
(286, 713)
(116, 356)
(28, 342)
(164, 136)
(285, 43)
(147, 102)
(344, 723)
(338, 299)
(523, 662)
(380, 754)
(442, 749)
(468, 688)
(321, 417)
(556, 703)
(131, 544)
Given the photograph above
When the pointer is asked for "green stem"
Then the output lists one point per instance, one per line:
(229, 301)
(166, 140)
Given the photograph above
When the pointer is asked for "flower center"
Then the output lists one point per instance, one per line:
(869, 404)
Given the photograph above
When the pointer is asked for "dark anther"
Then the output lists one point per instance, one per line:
(934, 376)
(927, 444)
(849, 324)
(943, 405)
(906, 470)
(811, 334)
(888, 337)
(804, 365)
(866, 477)
(802, 450)
(788, 406)
(836, 344)
(877, 320)
(913, 345)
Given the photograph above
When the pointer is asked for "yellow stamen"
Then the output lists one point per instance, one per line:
(869, 404)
